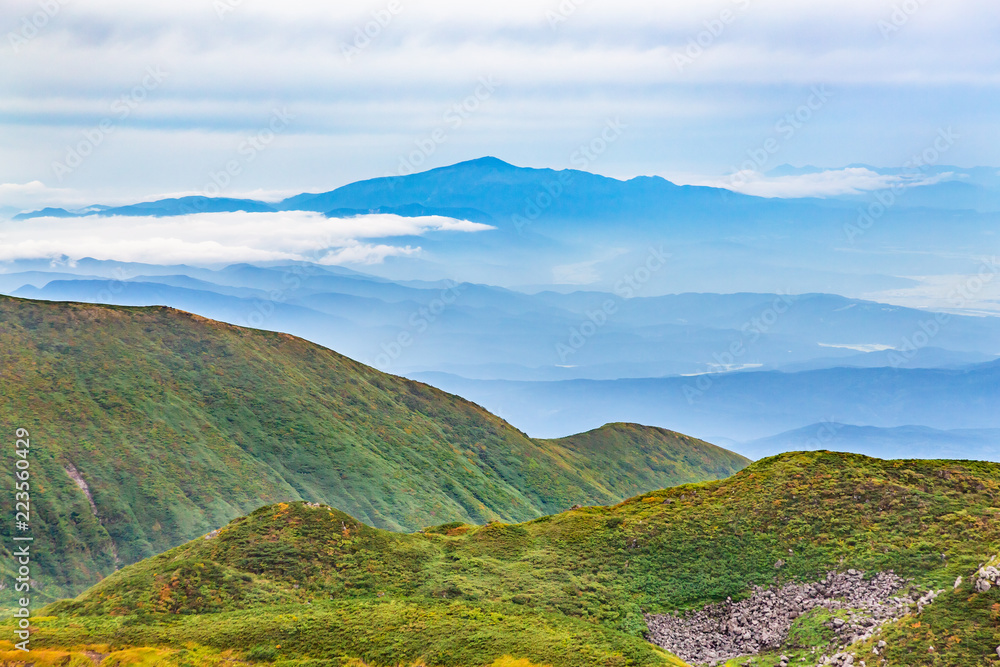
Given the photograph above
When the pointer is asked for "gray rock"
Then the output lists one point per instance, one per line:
(761, 622)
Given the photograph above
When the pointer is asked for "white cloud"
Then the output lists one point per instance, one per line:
(976, 293)
(366, 253)
(558, 85)
(830, 183)
(588, 272)
(221, 238)
(581, 273)
(32, 194)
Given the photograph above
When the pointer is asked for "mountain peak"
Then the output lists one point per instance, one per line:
(487, 162)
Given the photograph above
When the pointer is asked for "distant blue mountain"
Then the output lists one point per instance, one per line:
(190, 205)
(160, 208)
(483, 332)
(514, 196)
(10, 282)
(574, 227)
(645, 362)
(46, 213)
(490, 190)
(486, 190)
(745, 406)
(901, 442)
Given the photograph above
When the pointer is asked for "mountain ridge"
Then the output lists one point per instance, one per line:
(443, 189)
(178, 423)
(925, 529)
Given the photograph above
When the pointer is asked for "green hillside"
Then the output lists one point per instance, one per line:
(581, 580)
(634, 459)
(151, 426)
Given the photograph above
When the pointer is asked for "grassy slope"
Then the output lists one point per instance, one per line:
(383, 632)
(668, 550)
(633, 459)
(179, 424)
(961, 628)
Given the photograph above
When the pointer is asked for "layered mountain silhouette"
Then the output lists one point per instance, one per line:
(152, 426)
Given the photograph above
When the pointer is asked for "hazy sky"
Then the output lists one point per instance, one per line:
(114, 100)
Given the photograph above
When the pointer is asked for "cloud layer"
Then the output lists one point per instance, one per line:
(222, 238)
(369, 82)
(827, 183)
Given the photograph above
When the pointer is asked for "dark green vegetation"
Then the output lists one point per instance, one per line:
(675, 549)
(177, 425)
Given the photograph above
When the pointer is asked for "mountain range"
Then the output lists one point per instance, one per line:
(153, 426)
(573, 227)
(492, 470)
(885, 443)
(740, 407)
(486, 332)
(751, 299)
(491, 190)
(697, 362)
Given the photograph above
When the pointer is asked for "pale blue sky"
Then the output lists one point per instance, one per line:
(165, 94)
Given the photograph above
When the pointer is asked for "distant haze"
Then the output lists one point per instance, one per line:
(114, 100)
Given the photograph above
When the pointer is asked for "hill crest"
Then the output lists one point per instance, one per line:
(178, 424)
